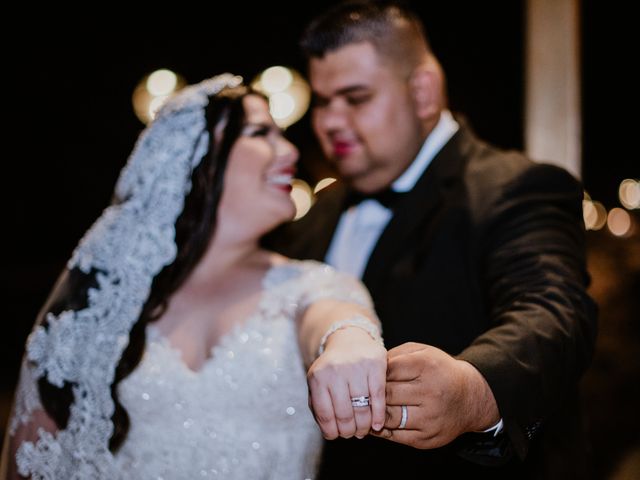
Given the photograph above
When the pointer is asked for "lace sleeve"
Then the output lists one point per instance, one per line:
(320, 281)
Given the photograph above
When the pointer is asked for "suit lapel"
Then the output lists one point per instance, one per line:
(418, 210)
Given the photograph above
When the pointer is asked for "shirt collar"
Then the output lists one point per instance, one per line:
(440, 135)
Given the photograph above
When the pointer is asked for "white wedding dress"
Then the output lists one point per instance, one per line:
(244, 414)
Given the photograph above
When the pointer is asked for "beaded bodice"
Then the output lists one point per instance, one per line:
(244, 413)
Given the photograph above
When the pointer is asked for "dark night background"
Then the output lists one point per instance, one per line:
(74, 128)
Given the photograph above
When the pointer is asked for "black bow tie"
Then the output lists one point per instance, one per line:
(387, 197)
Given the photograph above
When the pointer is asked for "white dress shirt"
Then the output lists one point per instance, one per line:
(360, 227)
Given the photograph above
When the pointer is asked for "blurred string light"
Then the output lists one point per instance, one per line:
(324, 183)
(304, 196)
(629, 193)
(619, 222)
(153, 90)
(288, 92)
(594, 213)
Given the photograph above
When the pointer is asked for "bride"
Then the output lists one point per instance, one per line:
(174, 346)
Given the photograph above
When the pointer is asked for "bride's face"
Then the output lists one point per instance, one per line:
(260, 168)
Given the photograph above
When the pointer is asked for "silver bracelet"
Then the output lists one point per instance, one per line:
(359, 321)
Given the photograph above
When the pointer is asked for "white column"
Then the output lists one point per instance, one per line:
(553, 126)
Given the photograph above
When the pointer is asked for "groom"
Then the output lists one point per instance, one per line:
(474, 257)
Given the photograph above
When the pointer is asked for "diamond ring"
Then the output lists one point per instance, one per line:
(361, 401)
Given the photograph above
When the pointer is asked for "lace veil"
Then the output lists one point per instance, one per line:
(126, 247)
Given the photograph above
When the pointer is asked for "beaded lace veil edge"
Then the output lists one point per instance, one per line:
(126, 247)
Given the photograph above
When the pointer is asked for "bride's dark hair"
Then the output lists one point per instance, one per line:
(225, 117)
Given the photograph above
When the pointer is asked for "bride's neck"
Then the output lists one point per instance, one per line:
(223, 258)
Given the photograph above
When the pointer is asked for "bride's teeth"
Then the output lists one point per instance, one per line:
(280, 179)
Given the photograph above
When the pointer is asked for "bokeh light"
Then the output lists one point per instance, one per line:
(153, 90)
(629, 193)
(619, 222)
(324, 183)
(594, 213)
(302, 197)
(288, 92)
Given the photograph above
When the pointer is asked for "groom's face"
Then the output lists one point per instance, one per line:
(364, 115)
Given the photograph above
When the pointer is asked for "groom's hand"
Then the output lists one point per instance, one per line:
(444, 397)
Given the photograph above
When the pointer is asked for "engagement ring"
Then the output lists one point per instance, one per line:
(361, 401)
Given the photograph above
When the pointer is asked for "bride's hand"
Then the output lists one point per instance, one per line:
(352, 365)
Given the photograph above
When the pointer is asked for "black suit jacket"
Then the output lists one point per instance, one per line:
(485, 259)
